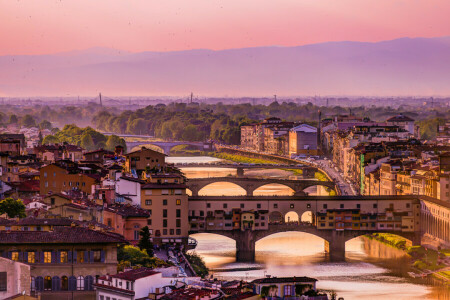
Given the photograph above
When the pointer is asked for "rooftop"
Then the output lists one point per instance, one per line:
(283, 280)
(60, 235)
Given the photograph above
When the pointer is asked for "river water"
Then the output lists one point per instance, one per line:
(371, 271)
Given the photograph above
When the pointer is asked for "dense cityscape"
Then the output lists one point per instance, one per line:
(224, 150)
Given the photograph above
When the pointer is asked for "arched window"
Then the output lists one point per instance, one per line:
(56, 283)
(72, 283)
(80, 283)
(64, 283)
(33, 284)
(40, 283)
(47, 283)
(88, 281)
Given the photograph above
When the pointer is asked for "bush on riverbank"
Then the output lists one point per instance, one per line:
(242, 159)
(197, 263)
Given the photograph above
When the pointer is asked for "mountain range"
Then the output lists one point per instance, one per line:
(406, 66)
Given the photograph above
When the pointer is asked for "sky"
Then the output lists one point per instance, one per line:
(52, 26)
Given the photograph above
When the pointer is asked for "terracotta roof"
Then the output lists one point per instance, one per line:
(164, 186)
(133, 275)
(132, 179)
(400, 118)
(59, 235)
(113, 288)
(128, 211)
(284, 280)
(43, 221)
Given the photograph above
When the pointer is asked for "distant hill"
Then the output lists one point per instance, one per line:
(406, 66)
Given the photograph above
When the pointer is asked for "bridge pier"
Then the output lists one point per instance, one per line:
(245, 246)
(240, 172)
(335, 247)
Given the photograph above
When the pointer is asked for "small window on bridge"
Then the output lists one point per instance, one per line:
(208, 205)
(275, 205)
(308, 205)
(375, 205)
(225, 205)
(341, 206)
(325, 206)
(242, 205)
(358, 205)
(258, 205)
(292, 205)
(408, 205)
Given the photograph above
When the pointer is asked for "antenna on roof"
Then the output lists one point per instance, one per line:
(100, 97)
(192, 96)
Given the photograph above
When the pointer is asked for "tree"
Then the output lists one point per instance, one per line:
(13, 208)
(50, 139)
(87, 142)
(113, 141)
(144, 242)
(45, 125)
(13, 119)
(28, 121)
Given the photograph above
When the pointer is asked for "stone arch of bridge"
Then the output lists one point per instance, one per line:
(148, 145)
(199, 189)
(278, 185)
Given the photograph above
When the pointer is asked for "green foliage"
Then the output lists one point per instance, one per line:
(45, 125)
(428, 127)
(242, 159)
(133, 256)
(87, 142)
(28, 121)
(197, 263)
(145, 243)
(13, 208)
(13, 119)
(320, 176)
(50, 139)
(113, 141)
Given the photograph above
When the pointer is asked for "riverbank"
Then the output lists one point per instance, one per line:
(425, 261)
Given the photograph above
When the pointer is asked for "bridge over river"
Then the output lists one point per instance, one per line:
(247, 219)
(250, 184)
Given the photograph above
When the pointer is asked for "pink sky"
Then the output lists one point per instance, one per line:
(49, 26)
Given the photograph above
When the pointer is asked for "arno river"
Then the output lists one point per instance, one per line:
(372, 270)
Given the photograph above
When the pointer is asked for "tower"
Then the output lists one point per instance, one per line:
(100, 97)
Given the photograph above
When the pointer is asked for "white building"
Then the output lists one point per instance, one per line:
(133, 284)
(131, 188)
(14, 278)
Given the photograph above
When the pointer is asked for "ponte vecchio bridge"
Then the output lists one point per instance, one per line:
(247, 219)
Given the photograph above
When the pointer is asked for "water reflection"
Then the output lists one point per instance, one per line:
(371, 271)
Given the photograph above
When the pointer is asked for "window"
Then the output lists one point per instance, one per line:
(149, 222)
(172, 231)
(148, 202)
(165, 202)
(148, 192)
(408, 205)
(358, 205)
(128, 285)
(208, 205)
(46, 184)
(52, 201)
(15, 255)
(178, 213)
(164, 231)
(45, 174)
(178, 202)
(275, 205)
(164, 192)
(64, 283)
(97, 255)
(375, 205)
(341, 205)
(242, 205)
(31, 259)
(258, 205)
(325, 206)
(80, 256)
(3, 281)
(178, 231)
(292, 205)
(136, 234)
(64, 257)
(178, 192)
(47, 283)
(47, 257)
(164, 222)
(164, 213)
(225, 205)
(202, 213)
(80, 283)
(178, 222)
(308, 205)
